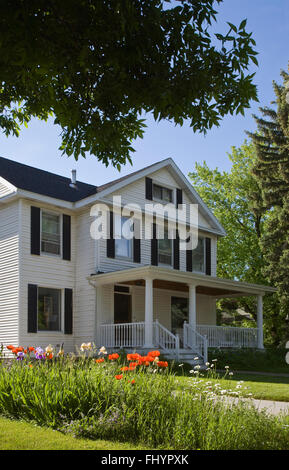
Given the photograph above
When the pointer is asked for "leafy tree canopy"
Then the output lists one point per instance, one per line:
(96, 65)
(232, 197)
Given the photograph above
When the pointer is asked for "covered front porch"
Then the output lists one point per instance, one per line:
(134, 310)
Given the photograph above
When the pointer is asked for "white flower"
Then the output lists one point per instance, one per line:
(197, 367)
(227, 367)
(207, 364)
(180, 365)
(102, 350)
(196, 358)
(49, 349)
(231, 373)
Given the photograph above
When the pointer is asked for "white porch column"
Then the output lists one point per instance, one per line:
(148, 313)
(260, 321)
(98, 308)
(192, 306)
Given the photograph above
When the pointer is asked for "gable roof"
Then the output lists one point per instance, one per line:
(42, 182)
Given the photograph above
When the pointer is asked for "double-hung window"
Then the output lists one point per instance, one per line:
(50, 233)
(198, 254)
(162, 194)
(123, 237)
(165, 249)
(49, 309)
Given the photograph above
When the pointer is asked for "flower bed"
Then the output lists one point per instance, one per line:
(128, 397)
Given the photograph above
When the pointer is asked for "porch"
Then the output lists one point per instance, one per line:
(150, 325)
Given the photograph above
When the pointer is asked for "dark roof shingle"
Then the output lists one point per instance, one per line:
(43, 182)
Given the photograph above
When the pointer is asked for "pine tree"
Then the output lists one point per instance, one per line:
(272, 173)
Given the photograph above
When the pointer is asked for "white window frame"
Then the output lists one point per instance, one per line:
(204, 271)
(165, 186)
(61, 306)
(120, 257)
(48, 211)
(166, 265)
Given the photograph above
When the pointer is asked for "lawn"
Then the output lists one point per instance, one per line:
(20, 435)
(260, 386)
(133, 400)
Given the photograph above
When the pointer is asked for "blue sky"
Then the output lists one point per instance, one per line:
(269, 22)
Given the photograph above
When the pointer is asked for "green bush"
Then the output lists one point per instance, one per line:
(85, 399)
(266, 360)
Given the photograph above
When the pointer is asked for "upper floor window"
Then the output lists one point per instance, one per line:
(161, 193)
(198, 261)
(50, 233)
(165, 249)
(49, 309)
(123, 240)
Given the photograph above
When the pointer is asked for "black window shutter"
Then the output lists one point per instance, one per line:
(68, 312)
(66, 237)
(110, 245)
(32, 308)
(177, 251)
(136, 242)
(154, 246)
(179, 199)
(35, 230)
(149, 189)
(189, 260)
(208, 256)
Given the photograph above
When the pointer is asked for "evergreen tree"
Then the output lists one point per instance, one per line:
(271, 169)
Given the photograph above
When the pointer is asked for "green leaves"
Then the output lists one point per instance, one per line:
(96, 66)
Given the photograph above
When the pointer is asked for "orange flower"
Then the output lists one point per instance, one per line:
(10, 347)
(31, 348)
(124, 368)
(98, 361)
(154, 353)
(133, 357)
(162, 364)
(119, 377)
(132, 381)
(111, 357)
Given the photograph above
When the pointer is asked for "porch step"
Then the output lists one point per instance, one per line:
(189, 357)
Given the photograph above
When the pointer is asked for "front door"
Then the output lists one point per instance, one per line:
(179, 311)
(122, 314)
(122, 308)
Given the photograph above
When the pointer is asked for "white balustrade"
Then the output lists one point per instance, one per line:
(229, 336)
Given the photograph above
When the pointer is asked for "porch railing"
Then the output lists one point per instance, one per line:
(195, 341)
(122, 335)
(166, 340)
(229, 336)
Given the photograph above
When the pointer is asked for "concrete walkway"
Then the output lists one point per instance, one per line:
(270, 406)
(250, 372)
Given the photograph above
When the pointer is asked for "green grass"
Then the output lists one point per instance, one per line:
(267, 360)
(261, 387)
(20, 435)
(83, 399)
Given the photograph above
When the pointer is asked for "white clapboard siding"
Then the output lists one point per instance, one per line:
(86, 260)
(9, 274)
(44, 271)
(5, 188)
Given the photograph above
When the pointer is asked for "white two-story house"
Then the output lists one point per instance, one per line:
(61, 285)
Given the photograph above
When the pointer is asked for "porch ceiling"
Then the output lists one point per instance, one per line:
(171, 279)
